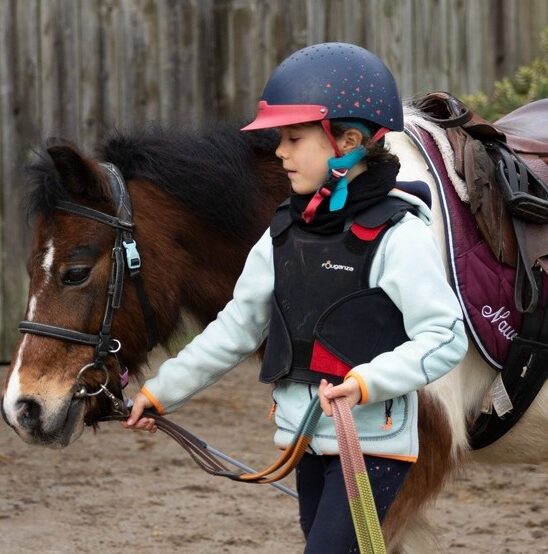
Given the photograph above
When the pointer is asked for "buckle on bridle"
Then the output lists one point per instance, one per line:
(133, 258)
(82, 389)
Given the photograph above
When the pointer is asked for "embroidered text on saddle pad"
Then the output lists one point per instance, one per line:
(484, 287)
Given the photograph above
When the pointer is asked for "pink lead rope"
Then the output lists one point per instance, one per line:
(358, 487)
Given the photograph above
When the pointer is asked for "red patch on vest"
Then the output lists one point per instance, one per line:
(366, 233)
(325, 362)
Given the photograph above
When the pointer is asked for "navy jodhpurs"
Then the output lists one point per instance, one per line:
(325, 516)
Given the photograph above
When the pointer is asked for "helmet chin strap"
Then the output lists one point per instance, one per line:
(326, 124)
(336, 185)
(339, 167)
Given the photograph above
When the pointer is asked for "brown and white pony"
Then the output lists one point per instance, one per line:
(199, 203)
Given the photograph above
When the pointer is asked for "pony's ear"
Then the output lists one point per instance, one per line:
(78, 174)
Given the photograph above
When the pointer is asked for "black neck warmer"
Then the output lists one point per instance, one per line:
(363, 191)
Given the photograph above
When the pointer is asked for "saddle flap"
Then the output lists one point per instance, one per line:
(524, 128)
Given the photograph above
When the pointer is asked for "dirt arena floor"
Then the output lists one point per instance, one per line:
(125, 491)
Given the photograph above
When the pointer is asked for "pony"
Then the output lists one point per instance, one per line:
(200, 200)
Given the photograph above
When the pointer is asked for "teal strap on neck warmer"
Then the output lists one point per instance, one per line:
(339, 167)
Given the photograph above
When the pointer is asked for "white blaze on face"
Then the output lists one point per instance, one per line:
(47, 262)
(13, 390)
(32, 308)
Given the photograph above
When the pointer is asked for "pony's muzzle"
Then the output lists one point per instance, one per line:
(35, 424)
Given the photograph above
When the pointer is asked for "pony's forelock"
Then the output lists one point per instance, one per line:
(44, 185)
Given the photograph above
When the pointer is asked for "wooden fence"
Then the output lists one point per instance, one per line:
(82, 67)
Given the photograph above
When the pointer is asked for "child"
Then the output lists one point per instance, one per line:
(347, 283)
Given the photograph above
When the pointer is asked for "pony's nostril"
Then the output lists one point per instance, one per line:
(28, 414)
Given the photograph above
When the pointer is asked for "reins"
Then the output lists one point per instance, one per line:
(360, 496)
(209, 461)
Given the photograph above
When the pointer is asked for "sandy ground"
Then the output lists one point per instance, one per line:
(119, 490)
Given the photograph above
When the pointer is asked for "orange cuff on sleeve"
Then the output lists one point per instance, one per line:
(155, 403)
(361, 382)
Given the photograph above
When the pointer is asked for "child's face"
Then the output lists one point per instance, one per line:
(304, 151)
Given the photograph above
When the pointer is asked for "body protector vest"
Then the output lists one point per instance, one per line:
(326, 319)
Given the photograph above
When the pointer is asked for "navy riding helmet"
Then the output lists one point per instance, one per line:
(333, 80)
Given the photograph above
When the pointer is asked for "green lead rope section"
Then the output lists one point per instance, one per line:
(291, 455)
(360, 496)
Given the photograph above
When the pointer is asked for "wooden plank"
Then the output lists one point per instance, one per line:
(127, 74)
(318, 21)
(530, 24)
(253, 37)
(28, 136)
(90, 61)
(60, 46)
(344, 21)
(50, 70)
(234, 22)
(186, 58)
(429, 66)
(392, 39)
(520, 25)
(141, 61)
(457, 46)
(68, 59)
(6, 99)
(138, 64)
(175, 73)
(480, 51)
(204, 62)
(508, 38)
(13, 282)
(111, 94)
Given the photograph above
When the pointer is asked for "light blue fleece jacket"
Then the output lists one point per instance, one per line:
(409, 268)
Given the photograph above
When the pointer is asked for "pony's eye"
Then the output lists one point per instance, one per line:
(76, 275)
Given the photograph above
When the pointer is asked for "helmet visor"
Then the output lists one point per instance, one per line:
(278, 115)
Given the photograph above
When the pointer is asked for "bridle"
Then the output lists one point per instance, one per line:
(124, 255)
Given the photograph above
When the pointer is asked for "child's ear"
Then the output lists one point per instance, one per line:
(351, 139)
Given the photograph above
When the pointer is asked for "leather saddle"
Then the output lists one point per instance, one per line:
(505, 167)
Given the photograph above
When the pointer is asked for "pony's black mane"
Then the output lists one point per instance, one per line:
(211, 171)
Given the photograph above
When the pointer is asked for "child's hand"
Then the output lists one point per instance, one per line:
(350, 390)
(135, 421)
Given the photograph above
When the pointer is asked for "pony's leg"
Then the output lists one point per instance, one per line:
(405, 524)
(418, 537)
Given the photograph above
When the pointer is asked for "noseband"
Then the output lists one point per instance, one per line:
(124, 253)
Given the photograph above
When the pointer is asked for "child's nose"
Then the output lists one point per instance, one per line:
(280, 152)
